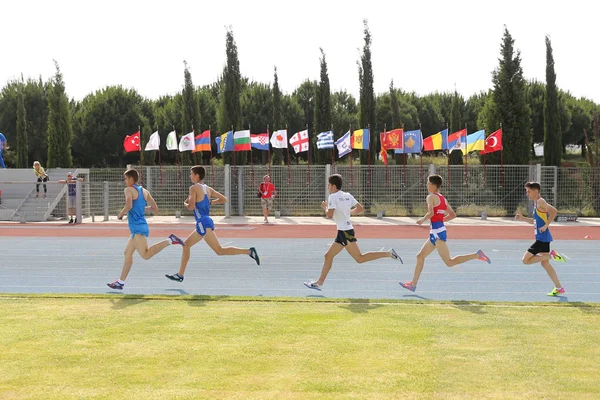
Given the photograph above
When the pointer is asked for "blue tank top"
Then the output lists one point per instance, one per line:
(135, 216)
(539, 220)
(202, 208)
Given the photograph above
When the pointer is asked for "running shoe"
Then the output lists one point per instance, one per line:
(176, 240)
(556, 292)
(175, 277)
(254, 255)
(395, 256)
(557, 256)
(483, 257)
(115, 285)
(313, 285)
(408, 286)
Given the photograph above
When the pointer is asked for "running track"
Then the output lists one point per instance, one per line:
(38, 258)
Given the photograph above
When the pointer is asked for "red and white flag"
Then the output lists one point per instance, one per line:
(493, 142)
(300, 141)
(132, 142)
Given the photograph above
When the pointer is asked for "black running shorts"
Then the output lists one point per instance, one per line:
(539, 247)
(343, 237)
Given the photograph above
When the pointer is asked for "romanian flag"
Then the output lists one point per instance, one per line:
(202, 141)
(439, 141)
(360, 139)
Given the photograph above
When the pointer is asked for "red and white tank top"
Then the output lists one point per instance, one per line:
(440, 210)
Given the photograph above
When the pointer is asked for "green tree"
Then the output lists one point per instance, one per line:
(60, 130)
(322, 111)
(257, 104)
(229, 113)
(367, 96)
(277, 123)
(552, 131)
(535, 93)
(395, 108)
(22, 151)
(190, 116)
(456, 124)
(344, 112)
(508, 106)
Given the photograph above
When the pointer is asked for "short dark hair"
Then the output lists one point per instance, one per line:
(336, 180)
(435, 180)
(198, 170)
(534, 185)
(132, 173)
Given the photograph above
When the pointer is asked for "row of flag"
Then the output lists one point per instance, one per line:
(398, 140)
(412, 142)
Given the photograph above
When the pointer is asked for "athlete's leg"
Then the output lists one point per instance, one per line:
(426, 250)
(141, 245)
(353, 249)
(551, 272)
(529, 258)
(333, 251)
(191, 240)
(213, 242)
(442, 248)
(128, 262)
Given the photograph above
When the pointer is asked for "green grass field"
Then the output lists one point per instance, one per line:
(105, 347)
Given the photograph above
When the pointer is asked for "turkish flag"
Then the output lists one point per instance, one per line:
(493, 142)
(132, 142)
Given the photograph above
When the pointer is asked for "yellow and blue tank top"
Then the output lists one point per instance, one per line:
(539, 220)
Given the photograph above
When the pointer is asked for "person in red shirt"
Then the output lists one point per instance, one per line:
(268, 192)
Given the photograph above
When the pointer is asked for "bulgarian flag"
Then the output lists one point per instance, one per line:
(241, 141)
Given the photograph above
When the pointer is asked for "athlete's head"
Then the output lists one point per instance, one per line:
(336, 180)
(532, 189)
(131, 176)
(199, 172)
(436, 181)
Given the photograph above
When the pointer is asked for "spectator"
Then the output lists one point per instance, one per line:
(71, 182)
(41, 176)
(268, 192)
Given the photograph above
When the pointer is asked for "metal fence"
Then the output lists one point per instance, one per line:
(394, 190)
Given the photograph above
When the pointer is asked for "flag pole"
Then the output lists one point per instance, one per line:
(159, 161)
(447, 152)
(268, 152)
(287, 148)
(466, 160)
(308, 155)
(421, 158)
(177, 158)
(502, 161)
(234, 165)
(141, 166)
(333, 148)
(251, 161)
(350, 131)
(405, 156)
(368, 156)
(212, 164)
(194, 151)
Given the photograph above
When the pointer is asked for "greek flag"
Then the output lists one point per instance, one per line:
(325, 140)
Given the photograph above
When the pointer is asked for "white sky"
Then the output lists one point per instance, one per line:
(424, 46)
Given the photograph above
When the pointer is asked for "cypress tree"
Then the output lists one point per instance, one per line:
(552, 131)
(60, 130)
(508, 106)
(396, 117)
(367, 96)
(22, 149)
(276, 156)
(230, 110)
(322, 109)
(190, 115)
(456, 157)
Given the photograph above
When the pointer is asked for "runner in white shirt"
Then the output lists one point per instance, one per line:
(339, 207)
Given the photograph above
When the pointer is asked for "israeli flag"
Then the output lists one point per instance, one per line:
(343, 145)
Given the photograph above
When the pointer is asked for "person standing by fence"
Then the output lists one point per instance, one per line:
(267, 192)
(71, 182)
(41, 176)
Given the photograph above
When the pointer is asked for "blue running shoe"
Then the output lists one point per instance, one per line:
(313, 285)
(408, 286)
(254, 255)
(395, 256)
(115, 285)
(483, 257)
(176, 240)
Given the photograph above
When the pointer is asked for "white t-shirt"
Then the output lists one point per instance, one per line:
(342, 202)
